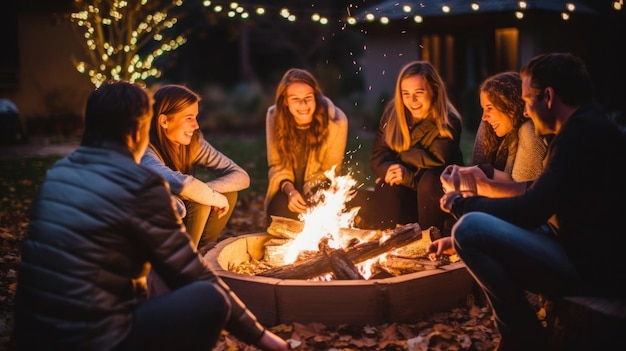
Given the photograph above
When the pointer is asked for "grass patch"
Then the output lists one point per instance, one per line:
(20, 178)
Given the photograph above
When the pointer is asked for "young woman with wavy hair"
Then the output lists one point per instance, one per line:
(306, 136)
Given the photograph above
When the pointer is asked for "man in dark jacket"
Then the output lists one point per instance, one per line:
(100, 221)
(578, 201)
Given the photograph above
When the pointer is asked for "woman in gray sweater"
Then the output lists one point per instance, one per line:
(176, 149)
(506, 145)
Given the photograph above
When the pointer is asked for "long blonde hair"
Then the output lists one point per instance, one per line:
(285, 128)
(397, 134)
(170, 99)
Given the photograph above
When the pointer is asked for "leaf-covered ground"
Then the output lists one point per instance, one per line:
(468, 327)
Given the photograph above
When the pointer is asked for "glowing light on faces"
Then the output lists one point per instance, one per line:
(180, 126)
(300, 99)
(416, 96)
(498, 120)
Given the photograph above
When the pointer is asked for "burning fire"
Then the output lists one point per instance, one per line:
(324, 219)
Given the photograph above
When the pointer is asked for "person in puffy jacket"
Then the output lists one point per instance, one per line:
(99, 223)
(177, 148)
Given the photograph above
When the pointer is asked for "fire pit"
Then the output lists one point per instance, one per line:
(401, 299)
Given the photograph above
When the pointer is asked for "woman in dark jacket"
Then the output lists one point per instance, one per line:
(418, 136)
(100, 221)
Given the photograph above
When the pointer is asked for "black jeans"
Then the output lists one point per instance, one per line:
(388, 206)
(189, 318)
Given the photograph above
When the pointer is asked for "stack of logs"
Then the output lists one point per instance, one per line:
(367, 244)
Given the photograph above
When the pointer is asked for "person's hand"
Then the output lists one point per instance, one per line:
(296, 202)
(221, 211)
(394, 174)
(221, 205)
(272, 342)
(439, 247)
(449, 179)
(445, 203)
(458, 178)
(472, 179)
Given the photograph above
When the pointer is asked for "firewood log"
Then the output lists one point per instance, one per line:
(319, 264)
(342, 267)
(284, 228)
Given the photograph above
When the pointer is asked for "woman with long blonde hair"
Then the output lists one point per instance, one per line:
(418, 135)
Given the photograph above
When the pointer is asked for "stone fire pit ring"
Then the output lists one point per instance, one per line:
(401, 299)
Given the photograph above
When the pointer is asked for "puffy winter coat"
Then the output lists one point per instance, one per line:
(98, 224)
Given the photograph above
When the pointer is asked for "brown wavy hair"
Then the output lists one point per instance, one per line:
(170, 99)
(504, 90)
(397, 135)
(285, 131)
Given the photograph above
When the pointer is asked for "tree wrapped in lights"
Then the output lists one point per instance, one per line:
(123, 38)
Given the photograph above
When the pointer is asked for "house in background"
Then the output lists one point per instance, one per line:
(471, 41)
(468, 40)
(36, 70)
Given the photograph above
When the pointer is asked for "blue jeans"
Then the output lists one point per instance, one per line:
(505, 260)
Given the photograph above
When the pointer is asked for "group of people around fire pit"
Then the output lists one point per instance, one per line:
(538, 209)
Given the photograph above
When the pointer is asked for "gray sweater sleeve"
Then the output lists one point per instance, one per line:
(531, 150)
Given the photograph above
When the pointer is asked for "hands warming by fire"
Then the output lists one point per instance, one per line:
(394, 174)
(439, 247)
(296, 203)
(461, 179)
(457, 181)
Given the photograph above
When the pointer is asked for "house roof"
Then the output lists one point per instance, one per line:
(394, 9)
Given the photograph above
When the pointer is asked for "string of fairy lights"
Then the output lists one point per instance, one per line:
(234, 9)
(113, 49)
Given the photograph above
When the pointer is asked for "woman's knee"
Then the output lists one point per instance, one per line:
(232, 198)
